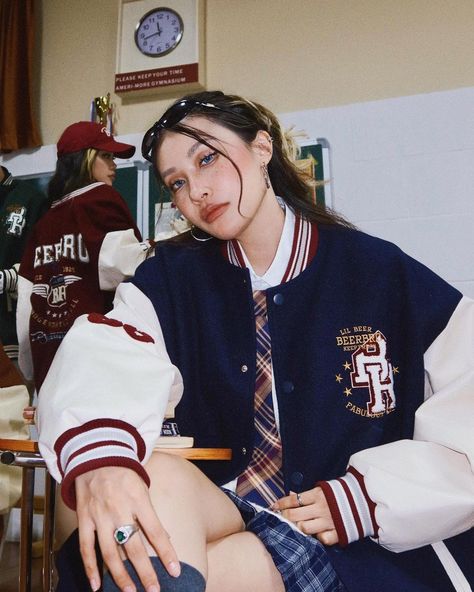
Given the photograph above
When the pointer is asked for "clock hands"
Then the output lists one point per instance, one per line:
(158, 32)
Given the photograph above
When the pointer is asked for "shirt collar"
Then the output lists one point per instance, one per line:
(296, 249)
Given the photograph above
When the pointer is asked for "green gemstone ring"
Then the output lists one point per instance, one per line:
(123, 533)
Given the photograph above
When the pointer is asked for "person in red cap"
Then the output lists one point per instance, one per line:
(81, 249)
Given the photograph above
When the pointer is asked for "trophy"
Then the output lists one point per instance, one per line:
(101, 111)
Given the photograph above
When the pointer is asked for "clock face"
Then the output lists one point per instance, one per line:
(159, 32)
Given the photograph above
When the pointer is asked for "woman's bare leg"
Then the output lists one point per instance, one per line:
(197, 511)
(190, 507)
(205, 527)
(241, 562)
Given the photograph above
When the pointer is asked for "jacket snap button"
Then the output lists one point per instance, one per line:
(288, 387)
(244, 368)
(244, 451)
(278, 299)
(297, 478)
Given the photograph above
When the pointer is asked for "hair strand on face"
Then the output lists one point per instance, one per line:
(246, 118)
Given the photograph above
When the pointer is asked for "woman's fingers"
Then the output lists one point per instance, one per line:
(284, 503)
(102, 507)
(29, 414)
(328, 537)
(308, 514)
(314, 526)
(309, 510)
(87, 549)
(136, 553)
(159, 539)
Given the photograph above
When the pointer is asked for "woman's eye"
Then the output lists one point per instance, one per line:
(208, 158)
(175, 185)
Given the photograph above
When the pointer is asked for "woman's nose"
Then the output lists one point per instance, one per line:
(197, 192)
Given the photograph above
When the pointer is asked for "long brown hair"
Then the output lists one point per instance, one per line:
(246, 118)
(73, 171)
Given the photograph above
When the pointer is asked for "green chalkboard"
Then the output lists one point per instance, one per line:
(126, 184)
(40, 182)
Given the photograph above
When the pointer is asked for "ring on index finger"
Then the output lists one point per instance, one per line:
(123, 533)
(299, 500)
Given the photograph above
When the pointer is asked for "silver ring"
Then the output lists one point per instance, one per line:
(123, 533)
(299, 500)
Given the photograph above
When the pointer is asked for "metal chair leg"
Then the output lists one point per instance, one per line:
(48, 533)
(26, 535)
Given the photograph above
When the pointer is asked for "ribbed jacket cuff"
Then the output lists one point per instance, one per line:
(9, 279)
(352, 511)
(96, 444)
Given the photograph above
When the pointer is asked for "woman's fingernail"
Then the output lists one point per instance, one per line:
(129, 589)
(174, 568)
(152, 589)
(94, 585)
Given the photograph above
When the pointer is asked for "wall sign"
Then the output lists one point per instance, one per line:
(160, 46)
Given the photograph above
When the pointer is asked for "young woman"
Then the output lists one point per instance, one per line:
(84, 246)
(337, 369)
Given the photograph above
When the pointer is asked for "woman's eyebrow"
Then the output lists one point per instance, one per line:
(189, 153)
(168, 172)
(193, 148)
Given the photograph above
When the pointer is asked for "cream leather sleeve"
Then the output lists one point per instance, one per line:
(23, 313)
(106, 393)
(120, 254)
(424, 488)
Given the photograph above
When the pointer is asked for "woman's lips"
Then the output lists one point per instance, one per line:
(211, 213)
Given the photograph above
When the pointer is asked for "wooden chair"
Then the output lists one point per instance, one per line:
(25, 454)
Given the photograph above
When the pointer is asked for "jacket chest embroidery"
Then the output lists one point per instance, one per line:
(367, 376)
(15, 221)
(55, 291)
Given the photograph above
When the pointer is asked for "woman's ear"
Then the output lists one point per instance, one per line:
(263, 146)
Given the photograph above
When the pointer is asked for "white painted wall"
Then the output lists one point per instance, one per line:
(404, 170)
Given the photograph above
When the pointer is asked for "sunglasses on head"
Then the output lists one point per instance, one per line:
(171, 117)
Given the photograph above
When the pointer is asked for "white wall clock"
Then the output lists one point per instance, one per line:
(160, 46)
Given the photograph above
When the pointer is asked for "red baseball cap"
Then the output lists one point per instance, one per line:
(89, 134)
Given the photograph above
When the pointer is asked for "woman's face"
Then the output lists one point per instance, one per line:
(205, 185)
(103, 167)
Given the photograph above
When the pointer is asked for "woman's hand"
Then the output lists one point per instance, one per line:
(29, 415)
(311, 514)
(110, 497)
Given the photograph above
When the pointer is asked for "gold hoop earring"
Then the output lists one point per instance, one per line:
(266, 176)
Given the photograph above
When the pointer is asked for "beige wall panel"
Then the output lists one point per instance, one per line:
(289, 54)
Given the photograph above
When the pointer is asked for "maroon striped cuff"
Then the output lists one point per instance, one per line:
(352, 510)
(95, 444)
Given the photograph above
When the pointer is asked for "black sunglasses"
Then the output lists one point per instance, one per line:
(171, 117)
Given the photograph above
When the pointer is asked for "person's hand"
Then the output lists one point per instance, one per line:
(110, 497)
(311, 514)
(29, 415)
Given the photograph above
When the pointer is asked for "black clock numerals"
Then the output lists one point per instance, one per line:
(159, 32)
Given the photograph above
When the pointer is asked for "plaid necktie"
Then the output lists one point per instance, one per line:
(262, 480)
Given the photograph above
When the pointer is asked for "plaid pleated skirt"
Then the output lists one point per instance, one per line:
(301, 559)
